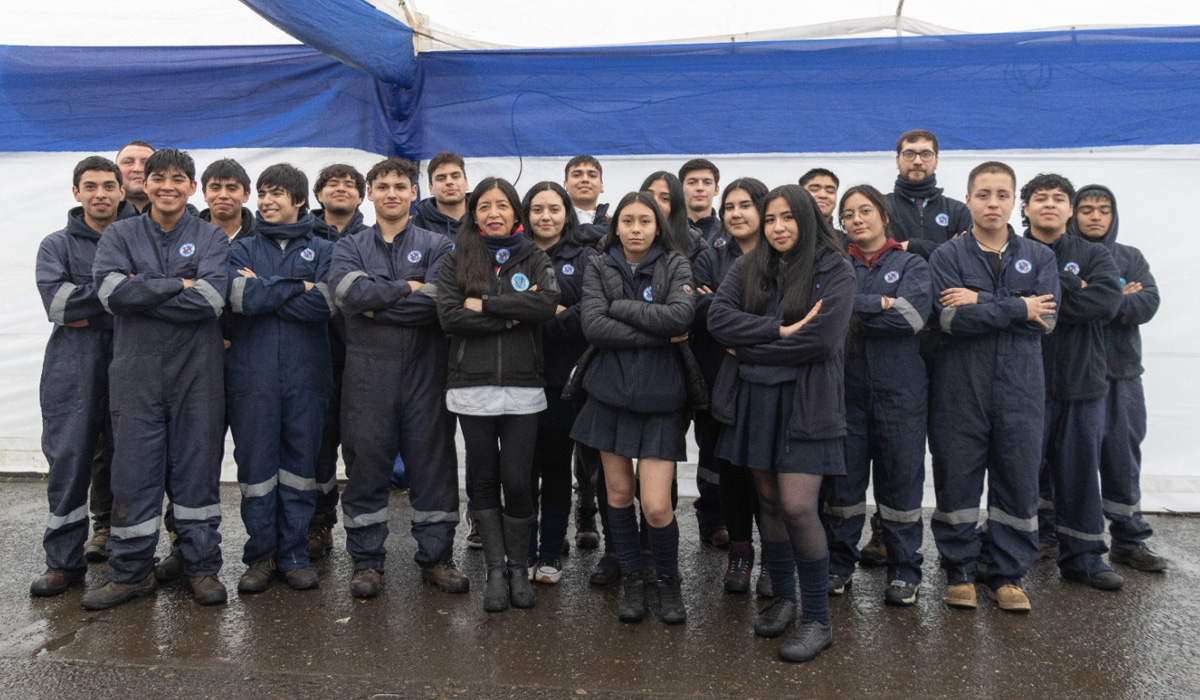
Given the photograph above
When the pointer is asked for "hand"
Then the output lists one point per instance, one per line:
(473, 304)
(959, 296)
(1083, 284)
(1131, 288)
(414, 285)
(1036, 307)
(369, 314)
(886, 303)
(227, 344)
(731, 351)
(785, 331)
(247, 272)
(680, 338)
(703, 290)
(82, 323)
(188, 284)
(560, 309)
(308, 286)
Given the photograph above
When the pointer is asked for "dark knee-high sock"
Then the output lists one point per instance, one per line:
(780, 562)
(814, 588)
(664, 543)
(623, 524)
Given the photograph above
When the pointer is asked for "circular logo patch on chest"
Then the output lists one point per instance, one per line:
(187, 250)
(1072, 267)
(891, 277)
(648, 294)
(308, 254)
(568, 269)
(1023, 266)
(414, 256)
(520, 282)
(943, 219)
(502, 255)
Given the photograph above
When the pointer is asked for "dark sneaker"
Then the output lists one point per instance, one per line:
(320, 541)
(874, 553)
(1143, 559)
(718, 538)
(171, 568)
(207, 590)
(549, 571)
(474, 540)
(446, 576)
(1102, 580)
(809, 640)
(1048, 550)
(53, 582)
(772, 620)
(366, 583)
(96, 548)
(763, 587)
(112, 593)
(737, 570)
(258, 577)
(586, 535)
(839, 584)
(670, 600)
(607, 571)
(303, 579)
(632, 607)
(900, 593)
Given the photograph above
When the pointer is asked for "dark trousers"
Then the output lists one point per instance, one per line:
(1121, 463)
(1070, 470)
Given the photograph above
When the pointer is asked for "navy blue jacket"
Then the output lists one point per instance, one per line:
(926, 228)
(1073, 355)
(65, 281)
(562, 336)
(279, 330)
(709, 269)
(881, 336)
(245, 231)
(816, 350)
(598, 229)
(1122, 339)
(709, 226)
(337, 324)
(430, 218)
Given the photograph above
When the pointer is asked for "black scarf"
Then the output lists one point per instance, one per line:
(918, 190)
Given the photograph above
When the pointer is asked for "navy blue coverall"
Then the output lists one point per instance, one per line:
(393, 392)
(167, 388)
(277, 380)
(74, 386)
(987, 406)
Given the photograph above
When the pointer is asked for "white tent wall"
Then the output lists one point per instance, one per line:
(1148, 182)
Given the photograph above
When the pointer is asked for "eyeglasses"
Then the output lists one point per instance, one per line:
(912, 155)
(864, 212)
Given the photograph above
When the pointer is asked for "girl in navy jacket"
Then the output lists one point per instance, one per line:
(783, 310)
(638, 302)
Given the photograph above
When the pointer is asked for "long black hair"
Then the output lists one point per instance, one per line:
(769, 272)
(571, 232)
(877, 200)
(474, 263)
(677, 221)
(664, 233)
(758, 195)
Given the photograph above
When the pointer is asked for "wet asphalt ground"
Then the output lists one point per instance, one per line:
(417, 642)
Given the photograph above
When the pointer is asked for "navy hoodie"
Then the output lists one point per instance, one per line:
(430, 218)
(925, 227)
(710, 268)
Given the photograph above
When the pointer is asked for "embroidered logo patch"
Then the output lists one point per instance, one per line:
(568, 269)
(414, 256)
(720, 243)
(1123, 283)
(519, 281)
(1023, 266)
(187, 250)
(308, 254)
(503, 255)
(891, 277)
(943, 219)
(1072, 267)
(648, 294)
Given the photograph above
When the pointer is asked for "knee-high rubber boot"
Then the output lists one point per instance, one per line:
(516, 545)
(491, 531)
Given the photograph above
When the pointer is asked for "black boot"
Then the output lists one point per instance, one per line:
(670, 599)
(632, 607)
(516, 545)
(491, 530)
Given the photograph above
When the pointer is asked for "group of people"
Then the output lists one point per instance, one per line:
(814, 343)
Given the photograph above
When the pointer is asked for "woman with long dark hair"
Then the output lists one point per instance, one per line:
(494, 293)
(667, 191)
(637, 302)
(553, 227)
(783, 310)
(885, 401)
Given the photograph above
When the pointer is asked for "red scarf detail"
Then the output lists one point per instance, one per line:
(889, 244)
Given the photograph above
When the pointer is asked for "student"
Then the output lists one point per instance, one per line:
(924, 217)
(553, 228)
(823, 185)
(638, 302)
(1096, 220)
(74, 385)
(494, 293)
(783, 311)
(583, 179)
(995, 297)
(277, 377)
(701, 185)
(741, 217)
(886, 400)
(164, 276)
(384, 282)
(340, 189)
(1073, 358)
(444, 209)
(226, 189)
(131, 159)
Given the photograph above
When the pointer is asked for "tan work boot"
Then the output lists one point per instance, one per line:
(1010, 598)
(961, 595)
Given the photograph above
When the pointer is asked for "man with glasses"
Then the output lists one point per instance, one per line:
(924, 217)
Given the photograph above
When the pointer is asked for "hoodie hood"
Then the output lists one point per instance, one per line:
(77, 225)
(330, 233)
(303, 227)
(247, 227)
(1109, 238)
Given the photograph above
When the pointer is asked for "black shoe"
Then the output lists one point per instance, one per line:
(112, 593)
(1143, 559)
(1107, 580)
(96, 548)
(207, 590)
(171, 568)
(839, 584)
(54, 582)
(586, 535)
(737, 571)
(607, 571)
(304, 579)
(772, 620)
(763, 587)
(258, 577)
(670, 600)
(446, 576)
(900, 593)
(320, 539)
(632, 607)
(366, 583)
(495, 592)
(809, 640)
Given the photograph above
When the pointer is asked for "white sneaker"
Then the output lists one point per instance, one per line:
(549, 571)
